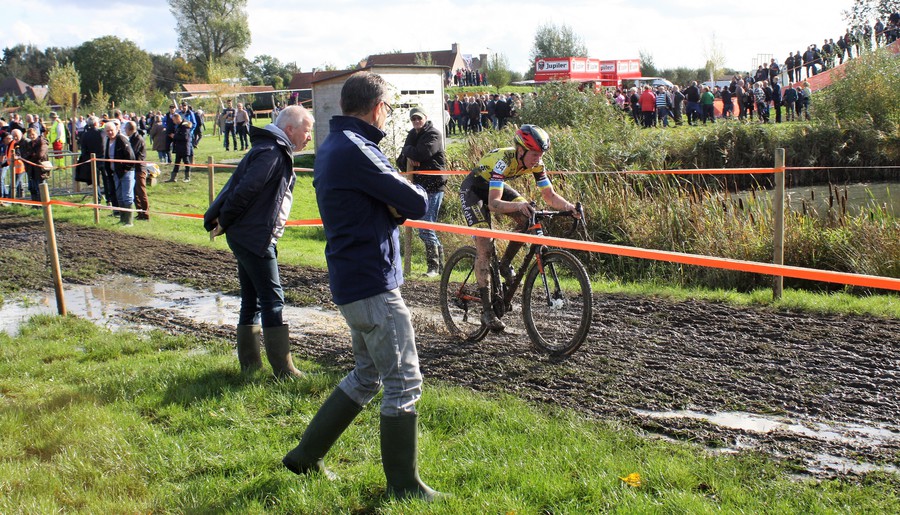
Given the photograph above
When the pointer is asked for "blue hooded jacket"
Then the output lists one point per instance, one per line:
(355, 185)
(249, 205)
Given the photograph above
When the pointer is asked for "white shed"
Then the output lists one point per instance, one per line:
(412, 86)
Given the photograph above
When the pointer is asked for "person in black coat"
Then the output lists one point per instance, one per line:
(183, 146)
(91, 143)
(423, 150)
(119, 167)
(141, 201)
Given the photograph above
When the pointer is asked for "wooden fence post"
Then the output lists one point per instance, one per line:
(211, 168)
(95, 187)
(407, 235)
(52, 250)
(778, 258)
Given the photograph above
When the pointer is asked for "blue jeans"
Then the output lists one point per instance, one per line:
(384, 347)
(164, 156)
(19, 185)
(4, 190)
(428, 236)
(262, 298)
(124, 188)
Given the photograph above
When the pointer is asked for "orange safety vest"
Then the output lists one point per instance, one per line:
(15, 162)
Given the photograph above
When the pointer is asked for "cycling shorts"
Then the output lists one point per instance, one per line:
(473, 194)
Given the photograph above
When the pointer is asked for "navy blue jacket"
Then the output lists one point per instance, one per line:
(249, 205)
(355, 185)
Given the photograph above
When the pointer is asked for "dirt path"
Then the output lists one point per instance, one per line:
(832, 381)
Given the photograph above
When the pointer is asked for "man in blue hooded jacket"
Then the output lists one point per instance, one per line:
(252, 210)
(362, 199)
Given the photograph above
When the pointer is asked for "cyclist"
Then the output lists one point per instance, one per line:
(485, 190)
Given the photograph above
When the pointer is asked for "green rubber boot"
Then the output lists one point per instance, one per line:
(332, 419)
(248, 347)
(399, 448)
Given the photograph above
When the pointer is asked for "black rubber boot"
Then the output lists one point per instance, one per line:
(332, 419)
(173, 177)
(431, 257)
(248, 347)
(488, 317)
(399, 449)
(278, 351)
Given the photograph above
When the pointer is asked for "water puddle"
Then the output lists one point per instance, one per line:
(105, 301)
(852, 434)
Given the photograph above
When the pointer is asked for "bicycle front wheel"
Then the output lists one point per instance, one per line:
(460, 303)
(557, 304)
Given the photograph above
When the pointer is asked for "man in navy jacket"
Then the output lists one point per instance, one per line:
(362, 199)
(252, 210)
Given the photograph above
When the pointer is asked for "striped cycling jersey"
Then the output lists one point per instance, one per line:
(500, 164)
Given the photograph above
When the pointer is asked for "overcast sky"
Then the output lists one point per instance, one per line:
(341, 32)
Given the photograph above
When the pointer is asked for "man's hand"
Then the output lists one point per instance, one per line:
(526, 209)
(217, 230)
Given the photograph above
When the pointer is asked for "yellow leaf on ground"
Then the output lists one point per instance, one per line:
(633, 479)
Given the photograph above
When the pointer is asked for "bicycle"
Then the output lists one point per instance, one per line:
(556, 309)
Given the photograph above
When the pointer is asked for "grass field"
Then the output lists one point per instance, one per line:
(96, 422)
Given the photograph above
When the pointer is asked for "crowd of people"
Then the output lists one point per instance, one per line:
(696, 104)
(475, 112)
(32, 147)
(464, 77)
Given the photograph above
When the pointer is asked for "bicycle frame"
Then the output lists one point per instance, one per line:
(535, 251)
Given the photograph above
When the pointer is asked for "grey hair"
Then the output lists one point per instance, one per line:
(293, 116)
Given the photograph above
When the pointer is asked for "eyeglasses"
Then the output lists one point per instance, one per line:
(390, 110)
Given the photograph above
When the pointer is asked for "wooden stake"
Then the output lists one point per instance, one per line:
(778, 258)
(95, 187)
(52, 250)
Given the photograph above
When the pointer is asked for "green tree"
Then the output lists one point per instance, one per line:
(122, 67)
(648, 69)
(863, 11)
(868, 91)
(64, 82)
(553, 40)
(211, 30)
(496, 70)
(424, 59)
(171, 70)
(30, 64)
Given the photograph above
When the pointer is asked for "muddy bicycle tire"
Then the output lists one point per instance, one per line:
(460, 303)
(559, 326)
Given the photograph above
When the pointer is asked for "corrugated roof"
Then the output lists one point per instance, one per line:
(445, 58)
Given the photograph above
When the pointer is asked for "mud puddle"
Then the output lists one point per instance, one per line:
(828, 432)
(107, 302)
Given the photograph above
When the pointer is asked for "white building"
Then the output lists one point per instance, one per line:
(411, 86)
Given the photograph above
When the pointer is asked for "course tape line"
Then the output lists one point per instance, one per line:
(811, 274)
(795, 272)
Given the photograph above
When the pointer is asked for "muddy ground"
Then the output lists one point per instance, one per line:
(642, 354)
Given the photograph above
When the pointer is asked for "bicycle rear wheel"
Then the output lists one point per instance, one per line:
(557, 303)
(460, 303)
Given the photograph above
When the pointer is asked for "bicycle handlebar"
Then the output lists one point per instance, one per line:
(547, 214)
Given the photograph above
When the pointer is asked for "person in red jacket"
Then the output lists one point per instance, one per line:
(648, 106)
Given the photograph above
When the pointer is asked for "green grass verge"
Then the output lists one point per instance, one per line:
(100, 422)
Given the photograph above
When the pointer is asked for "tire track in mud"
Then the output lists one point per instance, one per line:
(643, 353)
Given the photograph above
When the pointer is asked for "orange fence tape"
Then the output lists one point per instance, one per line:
(811, 274)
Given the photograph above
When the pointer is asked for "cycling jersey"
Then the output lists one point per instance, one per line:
(500, 164)
(490, 174)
